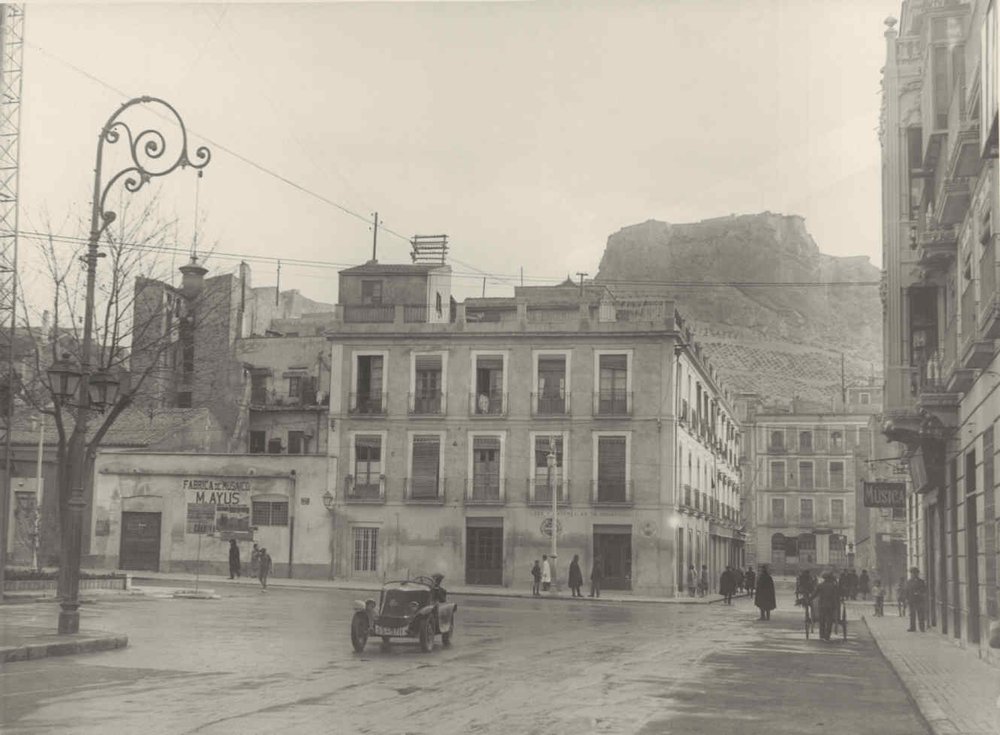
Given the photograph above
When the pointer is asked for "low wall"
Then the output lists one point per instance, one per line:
(35, 585)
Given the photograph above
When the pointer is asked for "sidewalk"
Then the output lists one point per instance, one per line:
(216, 582)
(30, 642)
(957, 692)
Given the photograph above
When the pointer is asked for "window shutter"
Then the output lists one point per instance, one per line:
(611, 459)
(426, 454)
(429, 363)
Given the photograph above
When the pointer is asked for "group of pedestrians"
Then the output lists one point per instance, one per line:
(260, 563)
(541, 576)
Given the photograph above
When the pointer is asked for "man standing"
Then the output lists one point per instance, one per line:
(596, 577)
(828, 604)
(703, 581)
(264, 566)
(750, 581)
(575, 576)
(764, 597)
(234, 559)
(726, 585)
(916, 598)
(546, 573)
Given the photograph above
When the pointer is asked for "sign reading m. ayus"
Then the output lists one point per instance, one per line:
(885, 494)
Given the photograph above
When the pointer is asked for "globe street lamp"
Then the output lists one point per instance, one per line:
(148, 156)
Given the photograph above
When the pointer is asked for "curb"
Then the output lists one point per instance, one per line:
(89, 644)
(930, 712)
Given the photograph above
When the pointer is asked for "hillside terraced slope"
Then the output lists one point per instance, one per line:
(781, 341)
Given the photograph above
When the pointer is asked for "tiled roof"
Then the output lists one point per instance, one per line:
(374, 267)
(135, 427)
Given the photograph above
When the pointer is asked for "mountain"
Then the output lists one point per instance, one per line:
(778, 340)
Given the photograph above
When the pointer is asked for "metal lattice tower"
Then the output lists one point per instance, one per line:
(11, 55)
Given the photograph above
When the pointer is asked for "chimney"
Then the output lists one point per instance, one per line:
(192, 278)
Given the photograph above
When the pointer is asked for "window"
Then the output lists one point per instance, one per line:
(371, 293)
(777, 474)
(899, 514)
(541, 470)
(778, 509)
(367, 463)
(612, 460)
(836, 440)
(805, 441)
(489, 385)
(806, 475)
(425, 466)
(274, 446)
(777, 440)
(988, 76)
(427, 384)
(551, 384)
(298, 442)
(365, 549)
(486, 467)
(258, 442)
(613, 385)
(836, 475)
(258, 388)
(368, 398)
(865, 399)
(806, 510)
(295, 386)
(270, 512)
(837, 511)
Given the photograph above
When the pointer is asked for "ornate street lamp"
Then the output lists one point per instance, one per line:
(328, 500)
(147, 159)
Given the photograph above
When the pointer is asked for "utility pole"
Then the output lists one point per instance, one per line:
(551, 461)
(277, 285)
(581, 274)
(375, 239)
(36, 538)
(843, 384)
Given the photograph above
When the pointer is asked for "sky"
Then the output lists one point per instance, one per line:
(527, 132)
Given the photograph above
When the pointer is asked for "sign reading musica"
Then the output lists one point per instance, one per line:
(218, 505)
(885, 494)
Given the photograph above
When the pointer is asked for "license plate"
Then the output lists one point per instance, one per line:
(391, 631)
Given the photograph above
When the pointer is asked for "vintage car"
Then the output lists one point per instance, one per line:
(411, 608)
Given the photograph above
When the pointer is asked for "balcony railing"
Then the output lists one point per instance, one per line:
(539, 493)
(368, 405)
(989, 317)
(550, 405)
(369, 313)
(368, 490)
(612, 492)
(415, 313)
(488, 404)
(968, 316)
(426, 404)
(425, 490)
(612, 403)
(484, 490)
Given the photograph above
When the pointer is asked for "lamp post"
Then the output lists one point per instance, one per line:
(328, 503)
(148, 158)
(551, 462)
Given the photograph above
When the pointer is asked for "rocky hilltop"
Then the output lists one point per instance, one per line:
(781, 341)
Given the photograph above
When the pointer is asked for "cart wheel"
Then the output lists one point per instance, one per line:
(359, 631)
(446, 637)
(427, 635)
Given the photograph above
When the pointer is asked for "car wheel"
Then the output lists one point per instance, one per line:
(427, 635)
(359, 631)
(446, 637)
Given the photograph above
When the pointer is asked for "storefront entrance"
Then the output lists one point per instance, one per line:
(484, 551)
(614, 545)
(140, 549)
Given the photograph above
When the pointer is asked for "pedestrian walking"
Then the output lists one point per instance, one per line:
(864, 584)
(901, 597)
(234, 559)
(703, 581)
(692, 580)
(750, 581)
(828, 604)
(264, 567)
(727, 585)
(546, 573)
(575, 576)
(916, 599)
(879, 595)
(596, 577)
(764, 597)
(852, 584)
(536, 579)
(255, 561)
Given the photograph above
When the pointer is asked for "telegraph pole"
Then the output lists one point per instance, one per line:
(375, 239)
(581, 274)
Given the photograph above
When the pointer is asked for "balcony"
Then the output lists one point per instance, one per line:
(367, 405)
(369, 492)
(369, 313)
(612, 493)
(936, 247)
(933, 395)
(485, 490)
(989, 313)
(544, 405)
(493, 403)
(539, 494)
(975, 353)
(954, 199)
(426, 404)
(613, 403)
(425, 491)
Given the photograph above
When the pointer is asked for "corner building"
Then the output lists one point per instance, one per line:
(443, 416)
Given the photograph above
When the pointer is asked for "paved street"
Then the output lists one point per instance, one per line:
(266, 662)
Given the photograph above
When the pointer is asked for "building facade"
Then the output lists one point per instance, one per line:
(939, 163)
